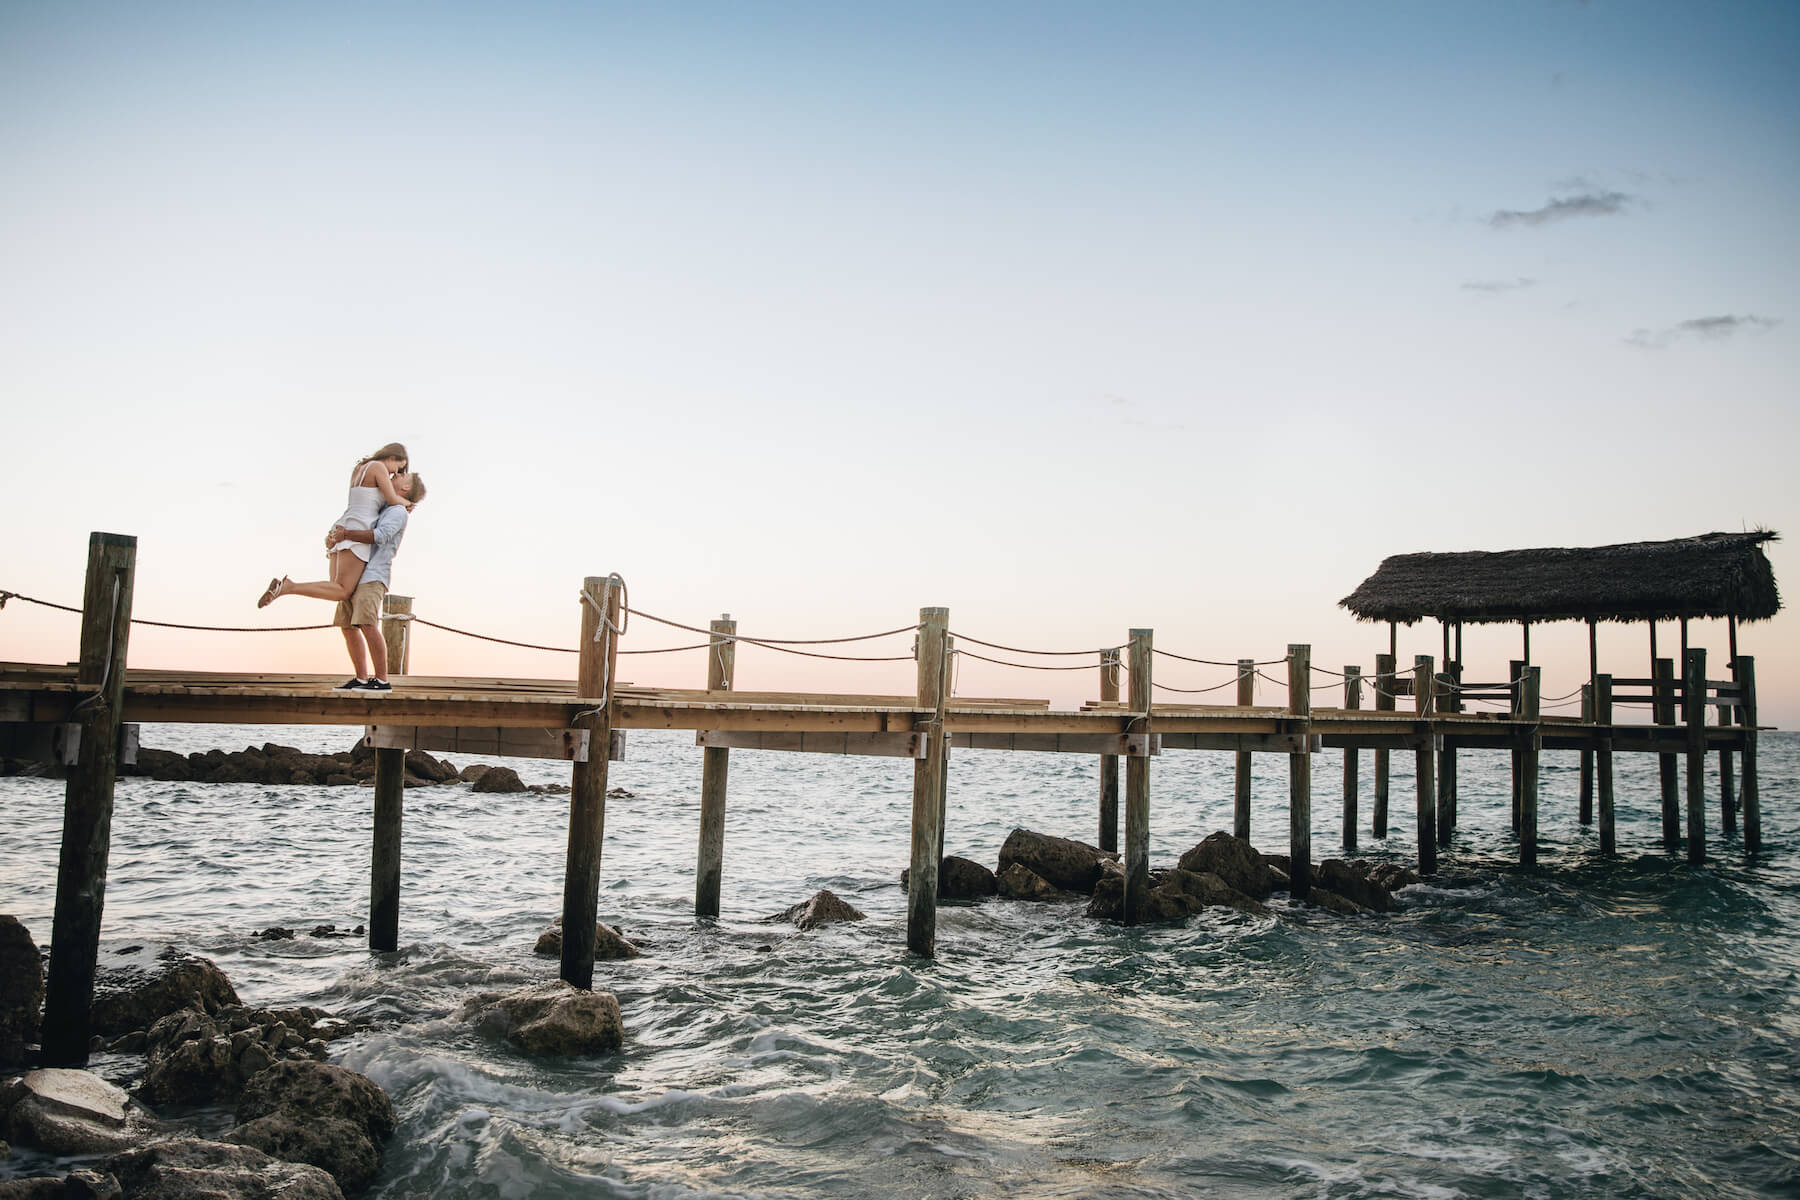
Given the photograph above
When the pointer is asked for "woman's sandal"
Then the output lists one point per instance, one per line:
(269, 593)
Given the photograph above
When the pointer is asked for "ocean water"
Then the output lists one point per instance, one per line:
(1593, 1027)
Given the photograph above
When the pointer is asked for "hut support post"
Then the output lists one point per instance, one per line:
(1584, 812)
(1664, 684)
(1246, 696)
(1746, 706)
(1530, 696)
(1446, 701)
(600, 607)
(1352, 702)
(928, 778)
(1727, 780)
(1137, 783)
(1300, 770)
(1424, 766)
(1109, 763)
(1603, 762)
(1516, 682)
(88, 800)
(1694, 702)
(715, 775)
(390, 794)
(1384, 701)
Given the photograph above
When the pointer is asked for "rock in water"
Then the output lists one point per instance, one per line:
(550, 1019)
(962, 879)
(823, 909)
(1020, 882)
(321, 1114)
(73, 1112)
(498, 779)
(1065, 863)
(128, 996)
(1235, 861)
(1354, 884)
(609, 944)
(21, 990)
(182, 1170)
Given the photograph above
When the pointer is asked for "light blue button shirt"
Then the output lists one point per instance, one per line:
(390, 527)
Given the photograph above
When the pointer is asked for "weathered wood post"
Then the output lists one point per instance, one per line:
(715, 772)
(1516, 710)
(1746, 706)
(928, 777)
(1246, 696)
(390, 794)
(1109, 763)
(88, 799)
(600, 606)
(1385, 681)
(1424, 763)
(1663, 681)
(1530, 700)
(1352, 702)
(1584, 812)
(1448, 700)
(1299, 664)
(1694, 698)
(1603, 761)
(1137, 783)
(1727, 784)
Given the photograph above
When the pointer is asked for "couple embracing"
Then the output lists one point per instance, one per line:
(361, 548)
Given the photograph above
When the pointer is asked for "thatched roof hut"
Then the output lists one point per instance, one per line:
(1713, 575)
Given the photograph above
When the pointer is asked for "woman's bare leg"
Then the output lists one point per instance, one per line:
(346, 573)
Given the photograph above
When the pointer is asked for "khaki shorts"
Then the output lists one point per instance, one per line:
(363, 607)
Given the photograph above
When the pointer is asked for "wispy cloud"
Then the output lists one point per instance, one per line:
(1498, 285)
(1711, 329)
(1582, 204)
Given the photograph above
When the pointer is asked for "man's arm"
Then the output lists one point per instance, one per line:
(388, 527)
(340, 534)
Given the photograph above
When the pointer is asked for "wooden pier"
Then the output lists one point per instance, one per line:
(84, 713)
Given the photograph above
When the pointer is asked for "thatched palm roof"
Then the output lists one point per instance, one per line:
(1713, 575)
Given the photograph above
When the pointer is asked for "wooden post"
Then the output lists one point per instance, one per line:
(1516, 682)
(1664, 683)
(1694, 696)
(600, 607)
(1385, 681)
(1137, 783)
(928, 777)
(1746, 705)
(1424, 766)
(390, 795)
(1246, 696)
(1109, 763)
(1299, 663)
(1530, 697)
(88, 799)
(1603, 761)
(1585, 806)
(715, 772)
(1727, 788)
(1446, 701)
(1352, 702)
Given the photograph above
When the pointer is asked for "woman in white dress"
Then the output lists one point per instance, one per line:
(371, 490)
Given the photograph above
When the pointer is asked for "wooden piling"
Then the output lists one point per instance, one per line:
(1746, 706)
(1352, 702)
(88, 800)
(1663, 682)
(1516, 684)
(1584, 812)
(927, 808)
(1694, 704)
(1424, 764)
(600, 608)
(1137, 783)
(390, 794)
(715, 773)
(1109, 763)
(1603, 762)
(1530, 699)
(1246, 696)
(1385, 686)
(1447, 700)
(1299, 664)
(1727, 782)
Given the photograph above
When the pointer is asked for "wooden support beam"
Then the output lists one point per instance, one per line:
(914, 744)
(1445, 700)
(1745, 673)
(1585, 805)
(88, 800)
(1240, 808)
(1110, 745)
(1299, 666)
(601, 600)
(1664, 714)
(1242, 743)
(1727, 783)
(1352, 702)
(1384, 702)
(1109, 763)
(1425, 765)
(390, 792)
(495, 741)
(1137, 782)
(928, 778)
(715, 773)
(1603, 763)
(1530, 700)
(1694, 694)
(1515, 706)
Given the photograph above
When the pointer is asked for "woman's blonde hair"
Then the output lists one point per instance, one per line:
(391, 450)
(417, 492)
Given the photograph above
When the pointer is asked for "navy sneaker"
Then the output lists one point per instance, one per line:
(378, 685)
(353, 685)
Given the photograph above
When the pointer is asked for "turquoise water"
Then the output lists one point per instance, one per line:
(1590, 1028)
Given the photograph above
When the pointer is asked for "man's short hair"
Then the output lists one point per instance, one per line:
(418, 490)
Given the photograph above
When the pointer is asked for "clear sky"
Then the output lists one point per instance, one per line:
(1072, 317)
